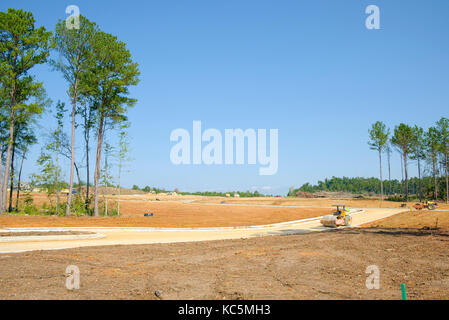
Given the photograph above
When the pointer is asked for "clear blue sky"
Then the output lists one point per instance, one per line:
(308, 68)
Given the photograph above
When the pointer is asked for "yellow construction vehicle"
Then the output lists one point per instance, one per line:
(341, 217)
(430, 205)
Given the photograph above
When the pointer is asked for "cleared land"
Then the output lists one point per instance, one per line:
(416, 219)
(196, 211)
(328, 265)
(408, 248)
(172, 214)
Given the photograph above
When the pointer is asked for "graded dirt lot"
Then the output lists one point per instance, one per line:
(328, 265)
(407, 247)
(311, 202)
(173, 214)
(417, 219)
(196, 211)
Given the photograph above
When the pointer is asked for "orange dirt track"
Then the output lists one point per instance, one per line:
(172, 214)
(195, 211)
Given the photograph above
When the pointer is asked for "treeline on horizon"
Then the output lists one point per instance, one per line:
(98, 71)
(427, 149)
(359, 185)
(243, 194)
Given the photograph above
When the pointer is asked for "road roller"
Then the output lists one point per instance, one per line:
(341, 217)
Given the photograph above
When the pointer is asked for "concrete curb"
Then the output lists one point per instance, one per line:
(51, 238)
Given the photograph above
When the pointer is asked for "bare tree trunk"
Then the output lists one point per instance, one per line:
(389, 172)
(11, 183)
(8, 157)
(57, 202)
(419, 181)
(79, 178)
(105, 198)
(381, 179)
(12, 121)
(435, 179)
(19, 178)
(1, 170)
(119, 174)
(106, 206)
(97, 166)
(406, 177)
(72, 161)
(57, 179)
(87, 121)
(87, 183)
(87, 175)
(447, 180)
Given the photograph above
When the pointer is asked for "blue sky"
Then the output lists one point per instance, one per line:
(308, 68)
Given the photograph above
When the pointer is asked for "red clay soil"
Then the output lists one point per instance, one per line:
(172, 214)
(416, 219)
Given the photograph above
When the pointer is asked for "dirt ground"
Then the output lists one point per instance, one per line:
(320, 202)
(172, 214)
(417, 219)
(407, 248)
(130, 202)
(194, 211)
(329, 265)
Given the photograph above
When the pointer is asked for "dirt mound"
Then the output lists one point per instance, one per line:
(329, 195)
(307, 195)
(425, 220)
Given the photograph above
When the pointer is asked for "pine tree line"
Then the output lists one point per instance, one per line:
(98, 70)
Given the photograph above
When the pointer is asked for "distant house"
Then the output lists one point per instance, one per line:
(24, 186)
(236, 195)
(66, 191)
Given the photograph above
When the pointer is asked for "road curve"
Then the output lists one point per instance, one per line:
(133, 236)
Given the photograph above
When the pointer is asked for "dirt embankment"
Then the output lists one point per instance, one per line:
(313, 202)
(416, 219)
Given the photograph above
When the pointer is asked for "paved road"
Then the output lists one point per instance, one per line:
(129, 236)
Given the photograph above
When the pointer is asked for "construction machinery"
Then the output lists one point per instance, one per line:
(431, 205)
(341, 217)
